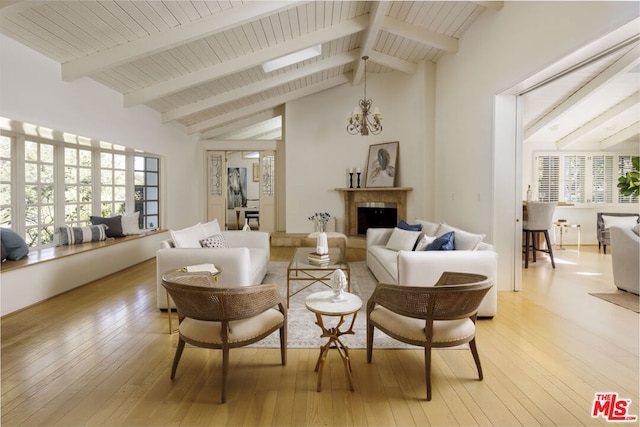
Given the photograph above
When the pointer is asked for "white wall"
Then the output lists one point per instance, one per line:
(319, 150)
(500, 49)
(32, 91)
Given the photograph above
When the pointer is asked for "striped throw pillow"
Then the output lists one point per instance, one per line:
(90, 233)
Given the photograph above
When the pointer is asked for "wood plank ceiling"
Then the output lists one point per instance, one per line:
(198, 63)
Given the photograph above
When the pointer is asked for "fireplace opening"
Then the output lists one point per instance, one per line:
(376, 215)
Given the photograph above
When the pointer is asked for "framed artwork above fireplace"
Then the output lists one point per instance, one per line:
(381, 165)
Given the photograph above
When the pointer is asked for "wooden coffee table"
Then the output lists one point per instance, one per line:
(300, 270)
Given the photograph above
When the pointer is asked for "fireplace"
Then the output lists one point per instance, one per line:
(377, 207)
(376, 215)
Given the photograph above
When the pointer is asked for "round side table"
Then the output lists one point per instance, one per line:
(321, 304)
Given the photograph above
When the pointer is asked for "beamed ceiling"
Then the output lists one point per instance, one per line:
(198, 63)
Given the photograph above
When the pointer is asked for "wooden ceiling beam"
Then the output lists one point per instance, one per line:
(238, 125)
(376, 17)
(171, 38)
(393, 62)
(626, 134)
(325, 35)
(631, 102)
(261, 86)
(420, 35)
(267, 103)
(621, 66)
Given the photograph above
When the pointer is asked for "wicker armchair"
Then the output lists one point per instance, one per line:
(443, 315)
(225, 318)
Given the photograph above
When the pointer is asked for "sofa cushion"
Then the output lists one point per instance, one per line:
(423, 242)
(635, 229)
(212, 227)
(14, 245)
(215, 241)
(402, 240)
(464, 241)
(429, 228)
(411, 227)
(386, 258)
(443, 243)
(114, 224)
(624, 221)
(188, 237)
(73, 235)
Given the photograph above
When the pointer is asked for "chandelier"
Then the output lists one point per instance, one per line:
(362, 121)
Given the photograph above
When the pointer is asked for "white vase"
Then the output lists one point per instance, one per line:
(322, 245)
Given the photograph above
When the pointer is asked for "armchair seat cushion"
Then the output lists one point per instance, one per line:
(444, 331)
(239, 330)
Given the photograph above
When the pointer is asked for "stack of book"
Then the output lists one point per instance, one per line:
(317, 259)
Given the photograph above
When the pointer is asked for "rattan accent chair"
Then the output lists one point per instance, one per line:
(437, 316)
(225, 318)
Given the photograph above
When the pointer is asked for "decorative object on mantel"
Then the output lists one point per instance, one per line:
(320, 220)
(364, 122)
(351, 171)
(381, 165)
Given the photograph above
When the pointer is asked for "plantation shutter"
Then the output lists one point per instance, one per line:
(574, 178)
(603, 180)
(548, 168)
(624, 166)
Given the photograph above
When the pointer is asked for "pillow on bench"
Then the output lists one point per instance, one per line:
(73, 235)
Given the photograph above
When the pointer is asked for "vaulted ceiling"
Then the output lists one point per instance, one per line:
(198, 63)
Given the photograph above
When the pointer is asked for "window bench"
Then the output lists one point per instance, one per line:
(47, 272)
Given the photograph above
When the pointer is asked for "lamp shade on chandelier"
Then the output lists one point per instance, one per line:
(363, 121)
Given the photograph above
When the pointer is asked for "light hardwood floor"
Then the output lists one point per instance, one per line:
(100, 355)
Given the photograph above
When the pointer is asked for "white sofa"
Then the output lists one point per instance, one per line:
(625, 257)
(243, 263)
(423, 268)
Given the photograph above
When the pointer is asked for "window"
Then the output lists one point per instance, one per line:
(580, 178)
(146, 181)
(39, 193)
(77, 191)
(63, 179)
(6, 149)
(624, 166)
(112, 184)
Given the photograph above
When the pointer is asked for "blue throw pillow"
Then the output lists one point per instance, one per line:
(411, 227)
(442, 243)
(15, 245)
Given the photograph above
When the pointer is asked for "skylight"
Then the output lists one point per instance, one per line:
(292, 58)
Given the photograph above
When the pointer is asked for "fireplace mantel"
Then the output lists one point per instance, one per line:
(353, 196)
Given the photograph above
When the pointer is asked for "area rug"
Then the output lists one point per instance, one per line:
(303, 331)
(621, 298)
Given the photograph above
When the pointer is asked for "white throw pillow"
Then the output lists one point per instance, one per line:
(424, 242)
(623, 221)
(464, 241)
(211, 228)
(429, 228)
(188, 237)
(130, 224)
(402, 240)
(635, 229)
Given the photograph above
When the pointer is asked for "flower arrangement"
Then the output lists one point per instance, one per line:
(320, 220)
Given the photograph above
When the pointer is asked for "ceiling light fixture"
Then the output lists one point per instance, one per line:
(292, 58)
(364, 122)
